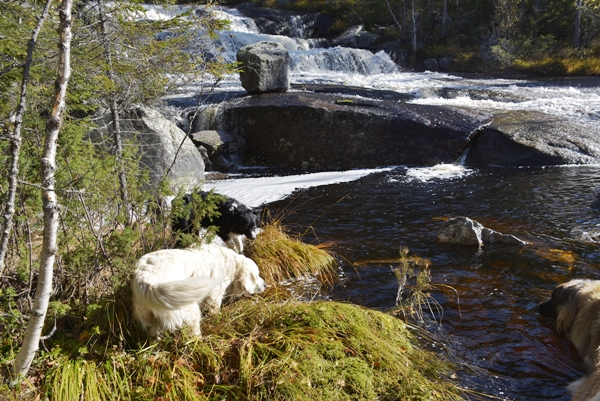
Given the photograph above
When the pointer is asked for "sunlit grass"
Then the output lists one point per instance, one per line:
(260, 350)
(561, 66)
(282, 257)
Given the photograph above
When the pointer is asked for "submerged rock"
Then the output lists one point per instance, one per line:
(465, 231)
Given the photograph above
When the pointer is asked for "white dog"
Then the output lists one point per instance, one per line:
(170, 286)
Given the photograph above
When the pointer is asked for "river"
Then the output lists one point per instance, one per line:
(486, 320)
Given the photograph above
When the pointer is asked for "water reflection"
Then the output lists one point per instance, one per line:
(492, 327)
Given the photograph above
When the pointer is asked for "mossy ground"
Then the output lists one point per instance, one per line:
(257, 349)
(267, 347)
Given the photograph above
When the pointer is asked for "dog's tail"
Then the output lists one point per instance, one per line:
(174, 294)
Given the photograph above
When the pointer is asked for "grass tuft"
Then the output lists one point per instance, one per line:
(260, 350)
(281, 257)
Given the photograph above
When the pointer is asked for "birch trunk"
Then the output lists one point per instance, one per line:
(389, 7)
(414, 24)
(37, 316)
(445, 18)
(15, 141)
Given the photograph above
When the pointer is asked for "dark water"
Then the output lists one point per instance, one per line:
(492, 330)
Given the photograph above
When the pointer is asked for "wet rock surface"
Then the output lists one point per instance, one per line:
(337, 132)
(526, 138)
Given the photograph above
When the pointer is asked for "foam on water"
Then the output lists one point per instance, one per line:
(439, 171)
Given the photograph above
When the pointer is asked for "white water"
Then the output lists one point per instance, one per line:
(361, 68)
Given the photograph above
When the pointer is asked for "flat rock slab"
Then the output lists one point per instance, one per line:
(319, 131)
(528, 138)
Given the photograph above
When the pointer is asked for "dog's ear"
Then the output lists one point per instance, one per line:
(565, 300)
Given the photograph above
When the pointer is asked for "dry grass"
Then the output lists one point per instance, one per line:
(281, 257)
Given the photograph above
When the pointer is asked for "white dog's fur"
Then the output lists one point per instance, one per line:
(170, 286)
(576, 307)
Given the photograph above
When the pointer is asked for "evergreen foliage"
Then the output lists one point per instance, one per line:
(480, 34)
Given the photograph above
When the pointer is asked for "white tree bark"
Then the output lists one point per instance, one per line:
(35, 325)
(389, 7)
(15, 141)
(414, 26)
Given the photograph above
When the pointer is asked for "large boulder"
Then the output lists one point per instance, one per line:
(431, 64)
(160, 143)
(265, 67)
(326, 131)
(222, 150)
(527, 138)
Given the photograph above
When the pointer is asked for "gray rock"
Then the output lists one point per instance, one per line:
(366, 39)
(212, 140)
(431, 64)
(465, 231)
(265, 67)
(528, 138)
(490, 236)
(224, 151)
(445, 63)
(159, 142)
(322, 131)
(349, 38)
(461, 230)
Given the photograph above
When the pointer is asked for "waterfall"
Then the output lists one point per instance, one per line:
(344, 60)
(297, 26)
(313, 61)
(307, 55)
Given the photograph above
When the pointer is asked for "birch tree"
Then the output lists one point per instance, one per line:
(445, 18)
(33, 333)
(16, 140)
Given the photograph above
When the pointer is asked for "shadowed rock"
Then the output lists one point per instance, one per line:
(335, 132)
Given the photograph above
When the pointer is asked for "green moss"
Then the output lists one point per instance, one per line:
(260, 350)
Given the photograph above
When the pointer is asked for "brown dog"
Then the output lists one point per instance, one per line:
(576, 307)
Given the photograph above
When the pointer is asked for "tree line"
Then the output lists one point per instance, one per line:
(503, 31)
(76, 215)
